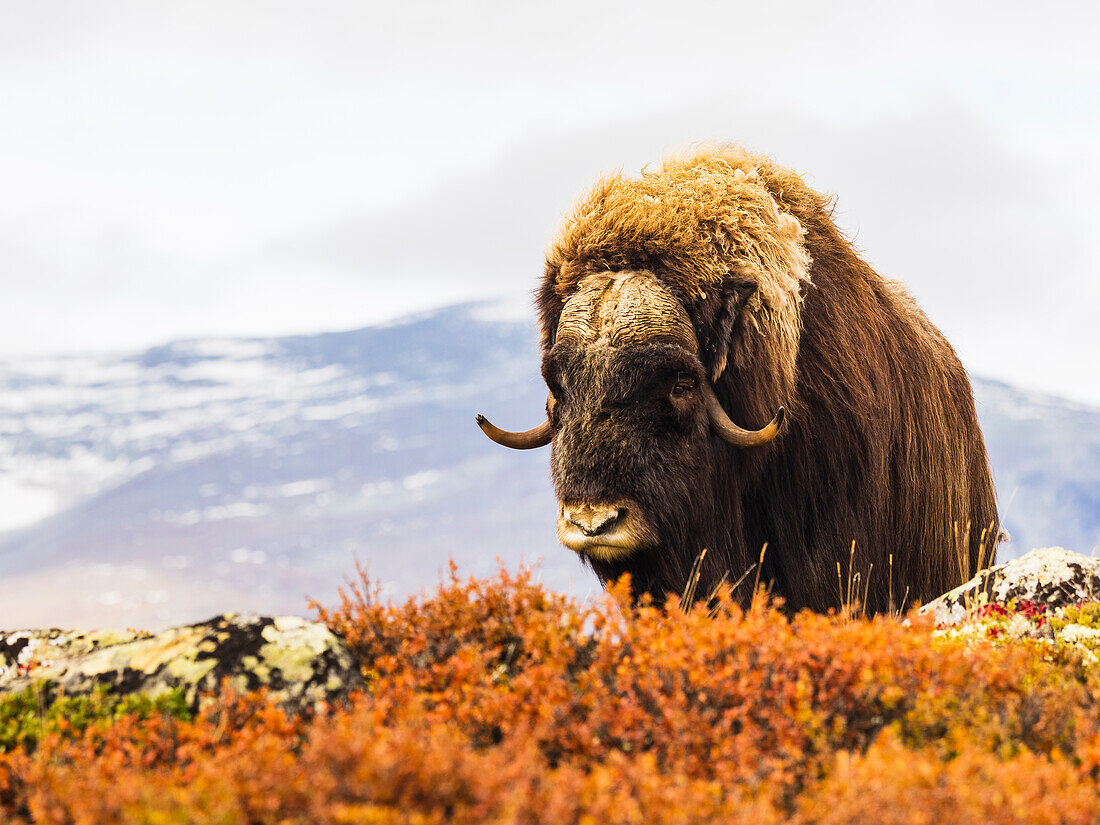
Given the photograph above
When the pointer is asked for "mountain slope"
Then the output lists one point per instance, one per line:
(243, 474)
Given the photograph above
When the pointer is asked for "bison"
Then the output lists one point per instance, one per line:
(726, 373)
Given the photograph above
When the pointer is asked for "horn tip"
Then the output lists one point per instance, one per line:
(780, 417)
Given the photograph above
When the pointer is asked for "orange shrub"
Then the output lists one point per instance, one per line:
(497, 701)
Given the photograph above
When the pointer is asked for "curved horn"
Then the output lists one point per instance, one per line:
(540, 436)
(730, 432)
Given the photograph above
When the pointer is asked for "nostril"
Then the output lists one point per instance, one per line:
(594, 522)
(609, 521)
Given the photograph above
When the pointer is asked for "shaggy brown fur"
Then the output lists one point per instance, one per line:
(882, 446)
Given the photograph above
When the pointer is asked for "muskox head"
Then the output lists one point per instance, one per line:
(639, 437)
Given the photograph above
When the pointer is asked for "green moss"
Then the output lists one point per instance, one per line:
(27, 716)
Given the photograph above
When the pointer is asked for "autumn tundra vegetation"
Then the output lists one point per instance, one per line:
(498, 701)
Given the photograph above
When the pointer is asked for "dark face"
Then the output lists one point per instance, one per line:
(632, 453)
(639, 437)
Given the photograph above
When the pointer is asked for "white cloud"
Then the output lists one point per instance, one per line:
(247, 168)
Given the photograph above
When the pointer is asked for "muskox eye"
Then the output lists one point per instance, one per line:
(684, 384)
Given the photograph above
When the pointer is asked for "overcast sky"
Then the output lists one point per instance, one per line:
(183, 169)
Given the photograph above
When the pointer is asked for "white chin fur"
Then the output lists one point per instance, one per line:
(606, 547)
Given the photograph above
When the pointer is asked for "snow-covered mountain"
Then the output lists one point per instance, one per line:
(246, 474)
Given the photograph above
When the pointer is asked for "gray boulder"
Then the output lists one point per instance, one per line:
(1050, 577)
(1049, 594)
(303, 664)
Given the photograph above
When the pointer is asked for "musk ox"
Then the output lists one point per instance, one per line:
(714, 294)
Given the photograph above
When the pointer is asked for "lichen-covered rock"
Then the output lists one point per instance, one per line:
(1051, 577)
(1049, 594)
(303, 664)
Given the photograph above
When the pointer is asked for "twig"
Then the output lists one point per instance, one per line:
(687, 598)
(759, 570)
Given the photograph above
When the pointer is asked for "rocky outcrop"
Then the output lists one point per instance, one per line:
(1050, 594)
(1051, 577)
(302, 664)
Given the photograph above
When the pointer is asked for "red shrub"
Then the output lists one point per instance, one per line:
(496, 701)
